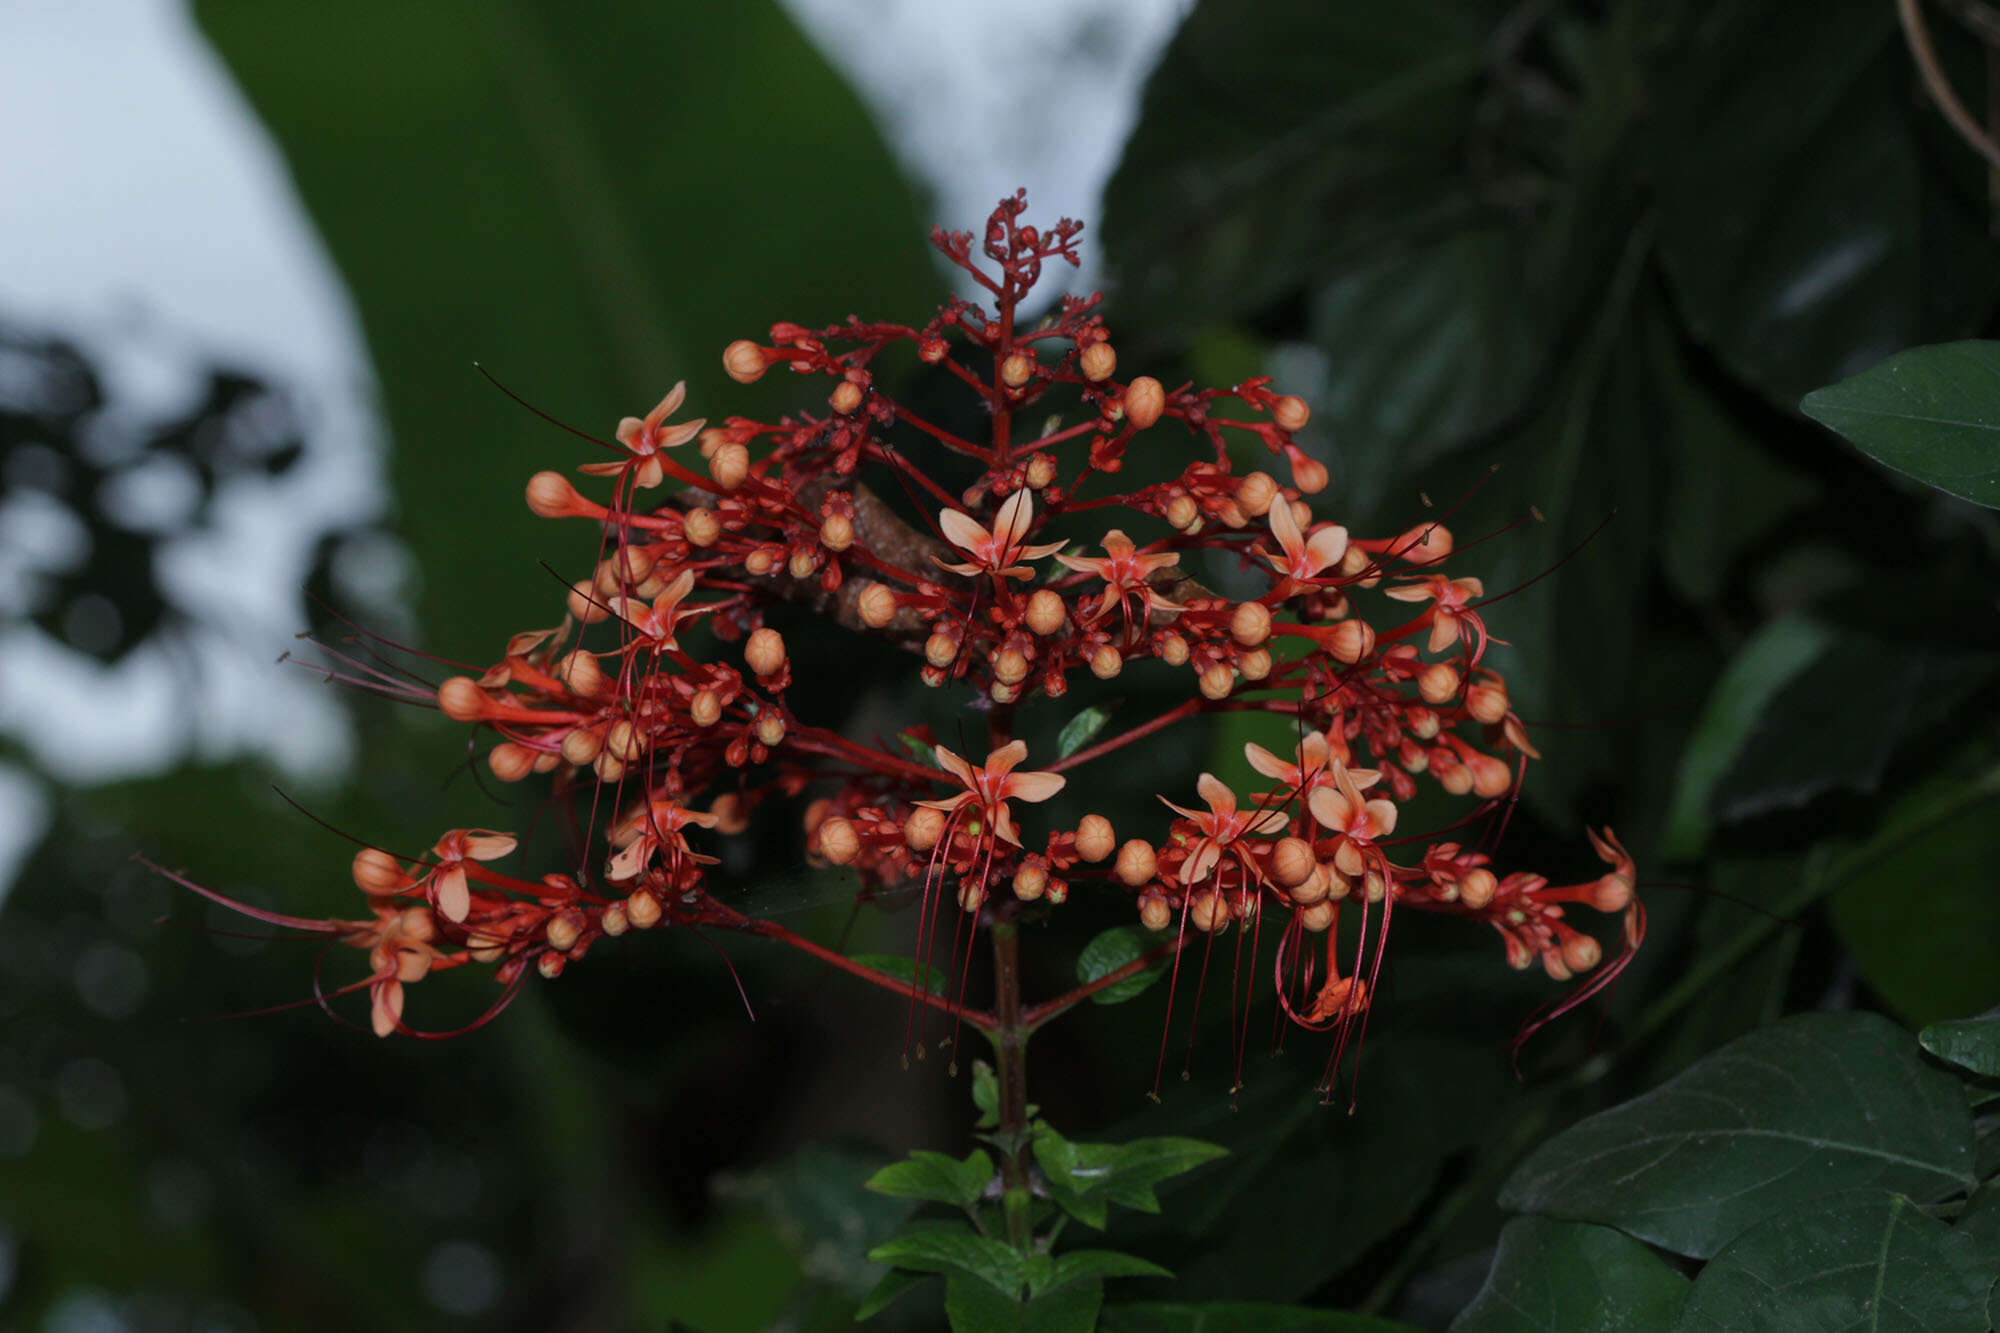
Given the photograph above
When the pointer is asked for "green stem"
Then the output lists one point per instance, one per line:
(1010, 1049)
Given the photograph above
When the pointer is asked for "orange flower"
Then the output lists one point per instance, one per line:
(1300, 557)
(449, 890)
(996, 551)
(1221, 825)
(992, 784)
(658, 621)
(1453, 609)
(1313, 769)
(1125, 572)
(654, 826)
(645, 439)
(400, 950)
(1341, 808)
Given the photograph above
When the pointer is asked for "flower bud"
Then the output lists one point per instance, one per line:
(845, 398)
(701, 527)
(730, 466)
(1254, 665)
(1041, 471)
(930, 351)
(613, 921)
(1145, 401)
(1106, 662)
(1486, 703)
(1231, 514)
(836, 532)
(1251, 624)
(1155, 913)
(377, 873)
(550, 495)
(1208, 913)
(1437, 683)
(1315, 887)
(816, 814)
(705, 709)
(511, 762)
(642, 909)
(461, 699)
(1422, 723)
(760, 561)
(1613, 893)
(764, 651)
(1291, 413)
(1097, 361)
(563, 930)
(838, 841)
(970, 895)
(803, 562)
(1490, 777)
(940, 649)
(1218, 681)
(770, 729)
(1003, 693)
(1455, 777)
(1255, 494)
(1030, 882)
(1046, 612)
(624, 742)
(877, 605)
(1010, 666)
(579, 672)
(744, 361)
(923, 828)
(1581, 953)
(1182, 511)
(584, 603)
(1136, 862)
(609, 768)
(1094, 838)
(1017, 369)
(1308, 474)
(551, 965)
(582, 745)
(1173, 649)
(1316, 917)
(1351, 641)
(1292, 862)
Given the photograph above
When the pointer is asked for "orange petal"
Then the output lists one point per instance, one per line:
(1286, 528)
(1330, 808)
(1016, 515)
(1217, 793)
(387, 1007)
(949, 761)
(488, 846)
(1032, 787)
(1003, 759)
(962, 531)
(1269, 764)
(454, 898)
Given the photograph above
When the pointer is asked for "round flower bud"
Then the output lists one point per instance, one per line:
(1155, 913)
(623, 742)
(764, 651)
(1145, 401)
(1612, 894)
(582, 745)
(930, 351)
(642, 909)
(563, 930)
(1010, 666)
(1437, 683)
(1106, 662)
(613, 922)
(1255, 493)
(1003, 693)
(846, 397)
(1136, 862)
(1218, 681)
(970, 896)
(940, 649)
(1182, 511)
(461, 699)
(1422, 722)
(1094, 838)
(816, 814)
(376, 873)
(1291, 413)
(578, 670)
(511, 762)
(609, 768)
(803, 563)
(836, 532)
(1455, 778)
(744, 361)
(923, 828)
(1314, 887)
(1308, 474)
(1017, 369)
(877, 605)
(1254, 665)
(1208, 913)
(1030, 882)
(1046, 612)
(1041, 471)
(838, 842)
(1173, 649)
(1251, 624)
(1231, 514)
(584, 603)
(551, 965)
(1351, 641)
(704, 710)
(1486, 703)
(1581, 953)
(770, 729)
(1097, 361)
(1292, 862)
(550, 495)
(730, 466)
(760, 561)
(1316, 917)
(1490, 777)
(701, 527)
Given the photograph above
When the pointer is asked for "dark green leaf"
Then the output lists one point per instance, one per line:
(1774, 655)
(1086, 1177)
(1810, 221)
(1551, 1277)
(974, 1307)
(1076, 732)
(893, 1284)
(936, 1177)
(1793, 756)
(1980, 1224)
(953, 1248)
(920, 750)
(1932, 413)
(1237, 1317)
(1814, 1104)
(1094, 1265)
(1113, 949)
(1864, 1259)
(1969, 1043)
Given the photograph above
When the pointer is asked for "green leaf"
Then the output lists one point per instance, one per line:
(920, 750)
(1980, 1224)
(1113, 949)
(1094, 1265)
(1969, 1043)
(1076, 732)
(814, 1200)
(1813, 215)
(1922, 919)
(1814, 1104)
(1772, 657)
(1793, 756)
(903, 969)
(974, 1307)
(936, 1177)
(1238, 1317)
(1932, 413)
(1863, 1259)
(893, 1284)
(1084, 1178)
(953, 1248)
(1549, 1276)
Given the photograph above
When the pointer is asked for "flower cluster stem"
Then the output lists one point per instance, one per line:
(1009, 1035)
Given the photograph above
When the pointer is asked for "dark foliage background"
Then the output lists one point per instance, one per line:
(1566, 266)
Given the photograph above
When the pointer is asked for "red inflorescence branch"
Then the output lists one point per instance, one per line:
(1004, 593)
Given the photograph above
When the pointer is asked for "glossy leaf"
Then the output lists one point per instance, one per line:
(1551, 1277)
(1864, 1259)
(1077, 732)
(936, 1177)
(1932, 413)
(1814, 1104)
(953, 1248)
(1095, 1265)
(974, 1307)
(1084, 1178)
(1969, 1043)
(1112, 949)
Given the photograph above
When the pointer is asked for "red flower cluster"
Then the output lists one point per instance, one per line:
(678, 748)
